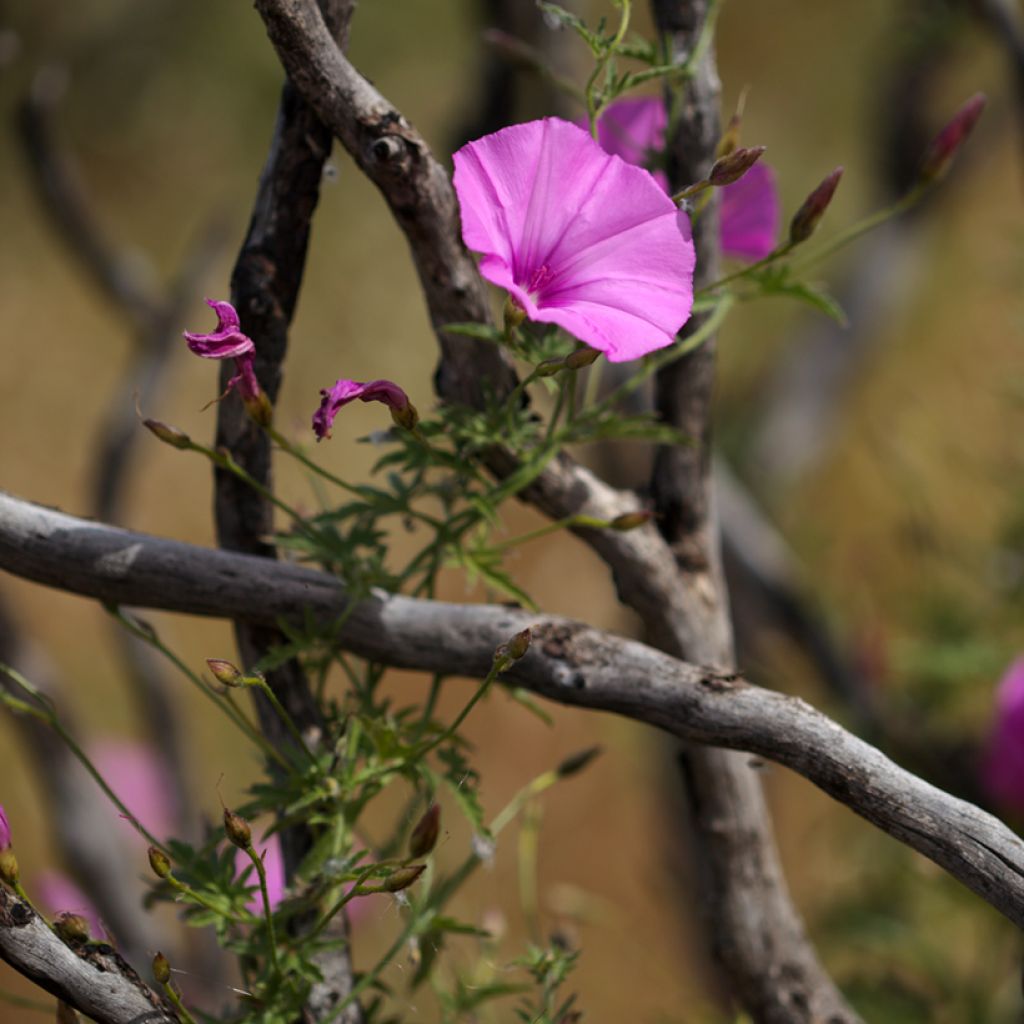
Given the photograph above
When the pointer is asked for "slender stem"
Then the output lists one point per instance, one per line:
(268, 914)
(46, 713)
(289, 722)
(772, 257)
(203, 901)
(178, 1004)
(463, 714)
(225, 705)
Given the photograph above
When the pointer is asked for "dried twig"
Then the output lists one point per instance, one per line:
(91, 977)
(568, 662)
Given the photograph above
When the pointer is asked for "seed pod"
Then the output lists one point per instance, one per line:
(424, 835)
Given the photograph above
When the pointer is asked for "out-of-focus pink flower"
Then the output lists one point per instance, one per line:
(1002, 765)
(634, 129)
(748, 216)
(578, 237)
(5, 830)
(133, 772)
(57, 893)
(273, 863)
(228, 342)
(344, 391)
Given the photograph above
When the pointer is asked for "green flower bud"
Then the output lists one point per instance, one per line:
(9, 867)
(237, 830)
(224, 672)
(72, 928)
(424, 835)
(169, 435)
(159, 862)
(161, 969)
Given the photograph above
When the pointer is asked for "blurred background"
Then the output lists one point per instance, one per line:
(875, 510)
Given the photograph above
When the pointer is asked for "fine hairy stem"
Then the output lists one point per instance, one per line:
(568, 662)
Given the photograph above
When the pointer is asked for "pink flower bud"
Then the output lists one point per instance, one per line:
(805, 220)
(224, 672)
(5, 830)
(939, 155)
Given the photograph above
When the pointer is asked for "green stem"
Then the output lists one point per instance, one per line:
(46, 714)
(225, 705)
(203, 901)
(464, 713)
(772, 257)
(267, 912)
(178, 1005)
(289, 722)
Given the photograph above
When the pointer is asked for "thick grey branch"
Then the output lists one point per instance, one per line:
(90, 977)
(568, 662)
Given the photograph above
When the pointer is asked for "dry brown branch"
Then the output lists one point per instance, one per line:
(569, 662)
(91, 977)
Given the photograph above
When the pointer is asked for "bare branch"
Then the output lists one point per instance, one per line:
(568, 662)
(91, 977)
(394, 156)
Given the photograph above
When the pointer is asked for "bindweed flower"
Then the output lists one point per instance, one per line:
(1002, 764)
(403, 412)
(5, 830)
(228, 342)
(749, 214)
(577, 236)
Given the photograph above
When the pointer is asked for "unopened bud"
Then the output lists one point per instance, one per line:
(805, 220)
(159, 862)
(72, 928)
(169, 435)
(402, 878)
(577, 762)
(224, 672)
(734, 165)
(9, 867)
(406, 417)
(582, 357)
(512, 650)
(631, 520)
(939, 155)
(161, 969)
(237, 830)
(424, 835)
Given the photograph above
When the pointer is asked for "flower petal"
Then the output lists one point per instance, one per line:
(1002, 765)
(634, 129)
(224, 342)
(577, 236)
(749, 214)
(344, 391)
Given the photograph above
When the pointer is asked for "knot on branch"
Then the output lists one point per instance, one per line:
(387, 149)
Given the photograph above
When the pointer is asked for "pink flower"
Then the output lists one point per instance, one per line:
(576, 236)
(57, 894)
(133, 772)
(344, 391)
(634, 129)
(748, 216)
(1002, 765)
(5, 830)
(273, 864)
(228, 342)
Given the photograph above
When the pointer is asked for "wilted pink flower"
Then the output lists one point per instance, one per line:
(576, 236)
(273, 864)
(345, 391)
(133, 772)
(634, 129)
(1002, 765)
(5, 830)
(228, 342)
(57, 893)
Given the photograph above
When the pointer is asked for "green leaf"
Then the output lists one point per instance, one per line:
(569, 20)
(817, 298)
